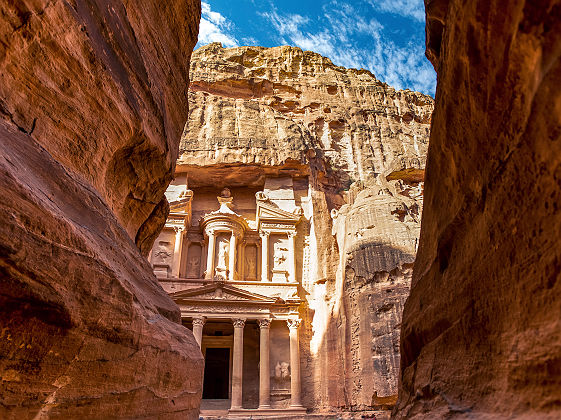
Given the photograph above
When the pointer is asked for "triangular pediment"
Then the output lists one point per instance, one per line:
(269, 212)
(220, 291)
(180, 206)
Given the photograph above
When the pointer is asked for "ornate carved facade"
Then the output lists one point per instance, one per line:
(230, 259)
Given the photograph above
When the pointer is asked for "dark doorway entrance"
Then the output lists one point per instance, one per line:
(217, 373)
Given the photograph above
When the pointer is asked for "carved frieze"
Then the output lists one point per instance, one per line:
(276, 226)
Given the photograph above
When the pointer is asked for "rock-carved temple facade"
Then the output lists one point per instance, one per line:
(233, 262)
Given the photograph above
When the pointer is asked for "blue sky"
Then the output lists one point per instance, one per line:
(386, 37)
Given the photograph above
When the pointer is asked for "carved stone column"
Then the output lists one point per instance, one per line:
(291, 257)
(241, 261)
(177, 251)
(265, 256)
(264, 375)
(295, 386)
(210, 255)
(237, 368)
(198, 324)
(232, 262)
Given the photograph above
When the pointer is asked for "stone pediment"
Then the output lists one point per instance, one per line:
(221, 291)
(180, 206)
(270, 212)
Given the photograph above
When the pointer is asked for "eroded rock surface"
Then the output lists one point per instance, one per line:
(355, 149)
(93, 98)
(481, 329)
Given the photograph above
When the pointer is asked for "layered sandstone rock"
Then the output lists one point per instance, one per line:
(93, 97)
(351, 145)
(481, 334)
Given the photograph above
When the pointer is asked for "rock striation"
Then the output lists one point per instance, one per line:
(355, 149)
(481, 329)
(93, 97)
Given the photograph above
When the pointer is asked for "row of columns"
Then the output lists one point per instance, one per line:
(264, 363)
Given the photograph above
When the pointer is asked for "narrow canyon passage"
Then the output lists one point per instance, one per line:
(295, 216)
(235, 232)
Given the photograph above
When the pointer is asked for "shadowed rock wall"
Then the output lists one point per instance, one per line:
(93, 98)
(481, 333)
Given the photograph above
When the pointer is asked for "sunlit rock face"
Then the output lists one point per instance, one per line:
(93, 98)
(355, 149)
(481, 329)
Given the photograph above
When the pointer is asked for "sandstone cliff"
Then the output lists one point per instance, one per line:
(481, 329)
(356, 149)
(93, 97)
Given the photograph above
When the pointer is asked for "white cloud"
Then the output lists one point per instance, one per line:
(290, 27)
(249, 40)
(215, 28)
(399, 66)
(407, 8)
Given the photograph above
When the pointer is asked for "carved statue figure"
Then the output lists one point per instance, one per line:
(163, 252)
(280, 254)
(226, 193)
(223, 249)
(250, 261)
(282, 370)
(194, 266)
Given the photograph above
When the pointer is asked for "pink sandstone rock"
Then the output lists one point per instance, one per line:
(93, 98)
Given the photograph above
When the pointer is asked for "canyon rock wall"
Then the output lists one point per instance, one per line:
(93, 98)
(481, 335)
(355, 149)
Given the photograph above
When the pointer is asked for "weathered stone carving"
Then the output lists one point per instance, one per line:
(250, 261)
(238, 322)
(200, 321)
(163, 253)
(280, 255)
(264, 323)
(293, 323)
(329, 126)
(223, 253)
(282, 371)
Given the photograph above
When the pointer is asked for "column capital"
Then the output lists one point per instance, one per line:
(264, 323)
(238, 322)
(179, 229)
(293, 323)
(209, 232)
(200, 320)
